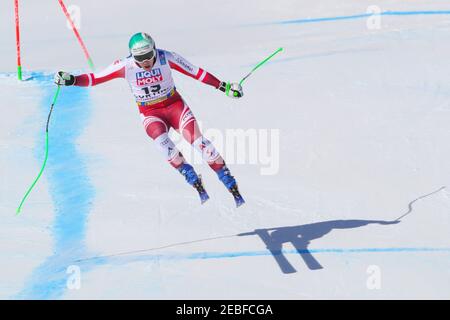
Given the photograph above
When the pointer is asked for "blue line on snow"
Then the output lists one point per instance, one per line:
(70, 188)
(123, 258)
(217, 255)
(338, 18)
(364, 15)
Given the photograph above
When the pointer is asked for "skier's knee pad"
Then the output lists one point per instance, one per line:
(167, 147)
(207, 149)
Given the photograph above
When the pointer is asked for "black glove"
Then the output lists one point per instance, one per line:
(64, 79)
(232, 90)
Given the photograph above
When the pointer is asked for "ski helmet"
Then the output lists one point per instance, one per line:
(142, 47)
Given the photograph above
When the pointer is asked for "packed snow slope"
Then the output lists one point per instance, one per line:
(339, 146)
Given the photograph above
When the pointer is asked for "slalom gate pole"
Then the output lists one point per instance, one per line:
(77, 35)
(16, 16)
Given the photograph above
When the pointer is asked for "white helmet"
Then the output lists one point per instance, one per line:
(142, 47)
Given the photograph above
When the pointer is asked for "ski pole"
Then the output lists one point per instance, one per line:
(46, 152)
(257, 66)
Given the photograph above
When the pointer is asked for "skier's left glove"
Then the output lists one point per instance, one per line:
(233, 90)
(64, 79)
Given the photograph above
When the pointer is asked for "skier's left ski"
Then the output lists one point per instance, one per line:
(237, 196)
(201, 190)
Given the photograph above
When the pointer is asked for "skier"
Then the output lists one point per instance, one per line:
(148, 72)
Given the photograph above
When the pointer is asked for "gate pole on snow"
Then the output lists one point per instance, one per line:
(77, 34)
(55, 97)
(16, 15)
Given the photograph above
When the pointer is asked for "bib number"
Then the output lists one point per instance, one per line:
(152, 89)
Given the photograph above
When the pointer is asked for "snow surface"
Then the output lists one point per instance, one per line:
(362, 117)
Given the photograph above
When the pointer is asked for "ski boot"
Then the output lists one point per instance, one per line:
(230, 183)
(194, 180)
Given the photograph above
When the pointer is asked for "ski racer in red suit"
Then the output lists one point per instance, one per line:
(148, 71)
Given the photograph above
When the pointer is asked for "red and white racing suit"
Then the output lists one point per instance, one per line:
(160, 105)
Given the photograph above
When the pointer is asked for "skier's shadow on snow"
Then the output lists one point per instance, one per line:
(301, 236)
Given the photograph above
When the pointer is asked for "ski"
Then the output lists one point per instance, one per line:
(237, 196)
(201, 190)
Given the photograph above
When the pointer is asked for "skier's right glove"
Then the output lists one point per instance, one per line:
(232, 90)
(64, 79)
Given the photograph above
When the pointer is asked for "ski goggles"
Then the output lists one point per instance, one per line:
(146, 56)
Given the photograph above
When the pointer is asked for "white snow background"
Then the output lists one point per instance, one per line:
(362, 113)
